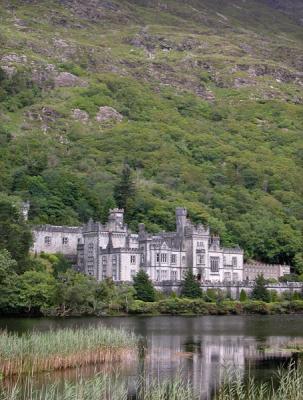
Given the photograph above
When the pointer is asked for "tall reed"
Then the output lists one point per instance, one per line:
(289, 386)
(103, 387)
(36, 351)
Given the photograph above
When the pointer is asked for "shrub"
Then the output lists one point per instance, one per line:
(243, 295)
(211, 295)
(256, 307)
(296, 305)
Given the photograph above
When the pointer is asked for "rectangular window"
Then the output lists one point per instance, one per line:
(200, 259)
(132, 272)
(158, 275)
(173, 258)
(157, 257)
(227, 276)
(214, 264)
(47, 240)
(173, 275)
(142, 258)
(163, 274)
(235, 277)
(133, 259)
(114, 260)
(183, 260)
(65, 240)
(104, 260)
(114, 275)
(164, 257)
(234, 261)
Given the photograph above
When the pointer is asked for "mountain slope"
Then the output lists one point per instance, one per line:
(205, 105)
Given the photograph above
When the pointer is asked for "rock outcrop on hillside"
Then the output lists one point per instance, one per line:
(107, 114)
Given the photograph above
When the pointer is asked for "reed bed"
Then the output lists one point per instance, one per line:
(289, 386)
(62, 349)
(103, 387)
(112, 387)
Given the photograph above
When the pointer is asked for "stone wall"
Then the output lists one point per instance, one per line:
(233, 289)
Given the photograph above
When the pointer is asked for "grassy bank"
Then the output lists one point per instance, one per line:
(182, 306)
(63, 349)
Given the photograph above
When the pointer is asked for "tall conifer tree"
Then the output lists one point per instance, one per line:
(125, 189)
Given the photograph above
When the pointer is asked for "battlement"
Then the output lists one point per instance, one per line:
(116, 211)
(232, 250)
(58, 229)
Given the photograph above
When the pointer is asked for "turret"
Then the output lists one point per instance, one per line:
(115, 219)
(25, 206)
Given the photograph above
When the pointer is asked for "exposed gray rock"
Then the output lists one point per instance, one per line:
(241, 82)
(44, 114)
(80, 115)
(106, 114)
(9, 70)
(66, 79)
(44, 74)
(14, 59)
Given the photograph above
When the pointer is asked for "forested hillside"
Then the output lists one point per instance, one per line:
(202, 99)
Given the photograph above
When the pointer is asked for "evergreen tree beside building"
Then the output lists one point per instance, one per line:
(260, 292)
(125, 189)
(191, 287)
(145, 290)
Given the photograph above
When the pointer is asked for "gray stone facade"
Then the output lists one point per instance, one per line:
(269, 271)
(112, 250)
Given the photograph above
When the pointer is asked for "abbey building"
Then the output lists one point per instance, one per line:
(112, 250)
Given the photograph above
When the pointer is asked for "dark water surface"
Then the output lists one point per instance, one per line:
(200, 347)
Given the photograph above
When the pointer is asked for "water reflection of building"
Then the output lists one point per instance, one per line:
(205, 359)
(200, 359)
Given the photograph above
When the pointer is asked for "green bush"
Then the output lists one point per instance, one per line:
(141, 307)
(256, 307)
(296, 306)
(243, 295)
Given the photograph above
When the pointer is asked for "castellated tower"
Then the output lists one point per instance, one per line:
(116, 219)
(181, 219)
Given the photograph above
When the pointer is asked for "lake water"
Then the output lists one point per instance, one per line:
(199, 347)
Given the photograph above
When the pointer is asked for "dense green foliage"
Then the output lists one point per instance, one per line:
(211, 101)
(143, 286)
(190, 286)
(15, 234)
